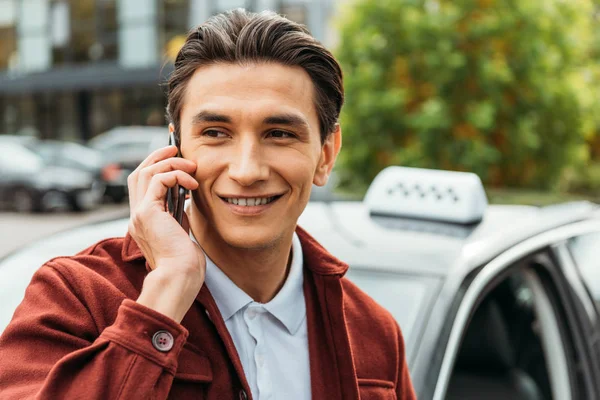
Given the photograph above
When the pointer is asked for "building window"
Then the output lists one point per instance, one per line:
(225, 5)
(295, 12)
(83, 31)
(174, 19)
(8, 34)
(8, 47)
(108, 27)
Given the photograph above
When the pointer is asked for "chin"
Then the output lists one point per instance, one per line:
(250, 238)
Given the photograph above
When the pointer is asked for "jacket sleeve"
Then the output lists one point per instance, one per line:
(52, 348)
(404, 386)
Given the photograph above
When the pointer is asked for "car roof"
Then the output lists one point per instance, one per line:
(135, 131)
(424, 247)
(125, 134)
(20, 139)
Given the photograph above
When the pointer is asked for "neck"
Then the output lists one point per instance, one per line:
(260, 273)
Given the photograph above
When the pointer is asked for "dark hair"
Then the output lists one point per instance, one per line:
(241, 37)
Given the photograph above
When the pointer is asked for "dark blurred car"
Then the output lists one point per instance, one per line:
(29, 183)
(124, 148)
(83, 158)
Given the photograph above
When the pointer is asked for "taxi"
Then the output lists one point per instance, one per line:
(494, 301)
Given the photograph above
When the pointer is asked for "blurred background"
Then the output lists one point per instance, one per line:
(505, 89)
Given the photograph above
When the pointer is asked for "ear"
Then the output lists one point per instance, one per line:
(329, 152)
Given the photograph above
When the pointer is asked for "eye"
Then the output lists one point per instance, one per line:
(281, 134)
(213, 133)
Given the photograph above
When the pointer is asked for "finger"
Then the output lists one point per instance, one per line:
(170, 164)
(160, 183)
(132, 179)
(158, 155)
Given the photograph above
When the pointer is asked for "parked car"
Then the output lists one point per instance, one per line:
(74, 155)
(126, 147)
(494, 301)
(28, 183)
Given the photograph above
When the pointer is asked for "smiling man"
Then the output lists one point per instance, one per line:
(240, 302)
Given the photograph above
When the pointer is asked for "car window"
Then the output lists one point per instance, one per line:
(584, 250)
(45, 152)
(19, 159)
(80, 156)
(127, 150)
(512, 346)
(406, 297)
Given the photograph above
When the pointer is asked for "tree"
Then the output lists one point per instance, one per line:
(502, 88)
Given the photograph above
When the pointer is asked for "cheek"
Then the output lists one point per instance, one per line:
(296, 167)
(208, 163)
(209, 167)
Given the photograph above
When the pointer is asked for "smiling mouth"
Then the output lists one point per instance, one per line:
(250, 201)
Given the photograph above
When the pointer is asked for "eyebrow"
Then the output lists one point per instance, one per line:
(208, 116)
(287, 119)
(291, 120)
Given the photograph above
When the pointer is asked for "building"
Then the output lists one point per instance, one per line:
(71, 69)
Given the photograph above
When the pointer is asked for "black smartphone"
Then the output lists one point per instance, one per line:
(177, 194)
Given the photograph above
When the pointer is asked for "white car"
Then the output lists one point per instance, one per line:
(495, 302)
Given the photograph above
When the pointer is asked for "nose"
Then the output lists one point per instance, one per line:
(248, 167)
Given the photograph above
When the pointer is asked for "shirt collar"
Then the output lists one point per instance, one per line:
(287, 306)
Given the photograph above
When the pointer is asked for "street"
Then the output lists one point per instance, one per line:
(17, 230)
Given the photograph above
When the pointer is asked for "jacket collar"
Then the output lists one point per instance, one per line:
(316, 258)
(328, 339)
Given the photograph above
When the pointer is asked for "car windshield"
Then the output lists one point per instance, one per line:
(67, 154)
(406, 297)
(17, 158)
(81, 154)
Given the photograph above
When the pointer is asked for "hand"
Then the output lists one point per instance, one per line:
(178, 264)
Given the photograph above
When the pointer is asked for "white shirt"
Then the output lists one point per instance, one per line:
(271, 339)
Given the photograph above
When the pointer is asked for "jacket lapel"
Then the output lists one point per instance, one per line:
(332, 371)
(209, 304)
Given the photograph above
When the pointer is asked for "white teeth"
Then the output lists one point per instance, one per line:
(250, 202)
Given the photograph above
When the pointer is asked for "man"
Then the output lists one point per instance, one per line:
(240, 302)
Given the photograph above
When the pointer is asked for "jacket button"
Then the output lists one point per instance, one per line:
(243, 395)
(163, 341)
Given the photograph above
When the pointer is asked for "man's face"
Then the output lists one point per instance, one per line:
(253, 131)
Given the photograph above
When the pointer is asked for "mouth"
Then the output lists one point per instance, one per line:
(251, 202)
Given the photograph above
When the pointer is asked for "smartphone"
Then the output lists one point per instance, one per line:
(177, 194)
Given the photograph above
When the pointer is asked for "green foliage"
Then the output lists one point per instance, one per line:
(502, 88)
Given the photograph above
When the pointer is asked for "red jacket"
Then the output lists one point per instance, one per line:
(78, 334)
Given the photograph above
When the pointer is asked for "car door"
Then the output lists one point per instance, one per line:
(581, 250)
(16, 165)
(4, 180)
(519, 303)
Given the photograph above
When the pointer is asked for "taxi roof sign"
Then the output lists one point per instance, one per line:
(449, 196)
